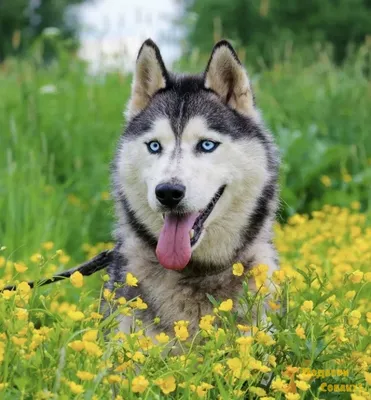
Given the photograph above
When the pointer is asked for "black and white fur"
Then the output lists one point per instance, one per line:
(179, 111)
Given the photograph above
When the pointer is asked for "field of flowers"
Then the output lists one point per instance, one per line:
(320, 348)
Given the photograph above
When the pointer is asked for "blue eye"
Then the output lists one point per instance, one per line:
(207, 146)
(154, 147)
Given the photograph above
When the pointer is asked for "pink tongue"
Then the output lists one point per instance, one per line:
(174, 244)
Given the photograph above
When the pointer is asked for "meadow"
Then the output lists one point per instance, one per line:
(59, 126)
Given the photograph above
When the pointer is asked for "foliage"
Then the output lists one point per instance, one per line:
(22, 21)
(263, 25)
(322, 341)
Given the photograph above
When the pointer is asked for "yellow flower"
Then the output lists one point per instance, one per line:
(3, 386)
(340, 334)
(238, 269)
(206, 323)
(105, 196)
(257, 390)
(264, 339)
(305, 377)
(139, 357)
(77, 279)
(292, 396)
(260, 274)
(218, 368)
(368, 316)
(85, 376)
(234, 364)
(350, 294)
(114, 379)
(19, 341)
(354, 318)
(21, 314)
(139, 304)
(202, 389)
(347, 177)
(302, 385)
(36, 258)
(24, 288)
(64, 259)
(131, 280)
(307, 306)
(20, 267)
(121, 300)
(244, 328)
(48, 245)
(8, 294)
(181, 332)
(162, 338)
(367, 376)
(145, 343)
(139, 384)
(76, 315)
(356, 276)
(108, 295)
(90, 336)
(272, 361)
(300, 332)
(367, 276)
(278, 385)
(245, 340)
(226, 305)
(326, 181)
(75, 388)
(76, 345)
(95, 315)
(93, 349)
(167, 385)
(274, 306)
(279, 276)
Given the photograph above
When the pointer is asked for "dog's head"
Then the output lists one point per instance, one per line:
(193, 159)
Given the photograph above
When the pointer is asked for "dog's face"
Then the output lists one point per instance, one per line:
(192, 154)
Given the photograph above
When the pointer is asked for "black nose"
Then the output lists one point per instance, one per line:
(170, 195)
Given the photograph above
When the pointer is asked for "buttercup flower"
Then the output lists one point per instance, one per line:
(238, 269)
(307, 306)
(77, 279)
(226, 305)
(131, 280)
(167, 384)
(139, 384)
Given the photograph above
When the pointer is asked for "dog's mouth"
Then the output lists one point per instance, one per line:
(180, 233)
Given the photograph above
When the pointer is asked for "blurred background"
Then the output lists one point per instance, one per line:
(65, 74)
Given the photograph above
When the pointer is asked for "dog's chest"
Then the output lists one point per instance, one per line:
(172, 297)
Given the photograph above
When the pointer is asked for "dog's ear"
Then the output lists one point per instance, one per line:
(149, 77)
(226, 76)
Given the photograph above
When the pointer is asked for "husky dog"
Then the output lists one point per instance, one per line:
(195, 186)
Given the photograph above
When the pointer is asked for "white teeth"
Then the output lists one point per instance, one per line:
(163, 217)
(191, 233)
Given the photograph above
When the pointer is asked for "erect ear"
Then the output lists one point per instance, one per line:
(226, 76)
(149, 77)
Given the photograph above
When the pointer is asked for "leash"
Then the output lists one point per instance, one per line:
(97, 263)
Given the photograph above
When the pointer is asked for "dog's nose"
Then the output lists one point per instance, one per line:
(170, 195)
